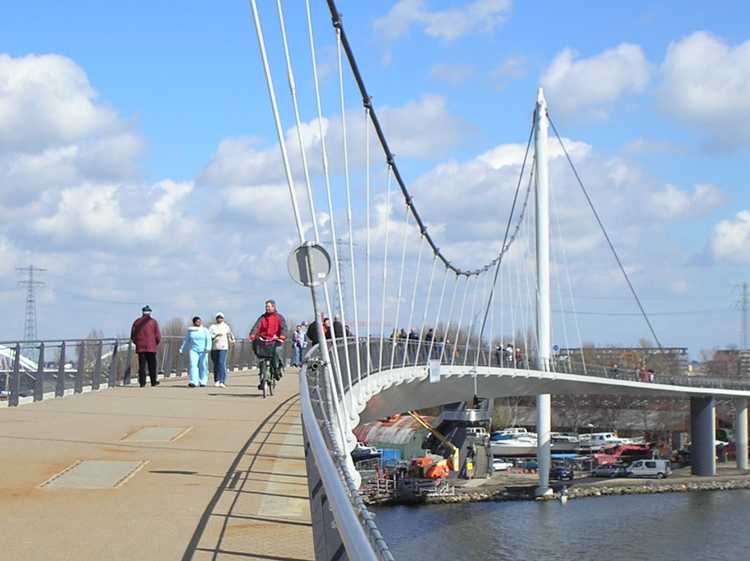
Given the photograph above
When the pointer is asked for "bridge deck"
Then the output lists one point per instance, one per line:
(192, 474)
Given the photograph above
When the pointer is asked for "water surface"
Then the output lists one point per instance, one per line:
(706, 526)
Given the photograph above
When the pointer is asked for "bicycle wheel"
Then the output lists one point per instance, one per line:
(264, 387)
(262, 376)
(271, 385)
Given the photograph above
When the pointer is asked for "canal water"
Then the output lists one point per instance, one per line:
(706, 526)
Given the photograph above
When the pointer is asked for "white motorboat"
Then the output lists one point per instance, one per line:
(562, 443)
(516, 441)
(596, 441)
(521, 446)
(511, 432)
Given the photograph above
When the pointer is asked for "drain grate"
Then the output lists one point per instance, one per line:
(156, 434)
(94, 474)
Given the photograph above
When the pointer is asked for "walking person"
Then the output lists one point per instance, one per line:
(198, 342)
(221, 338)
(146, 335)
(299, 342)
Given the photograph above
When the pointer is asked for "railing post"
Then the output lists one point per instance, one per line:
(128, 365)
(78, 386)
(240, 364)
(179, 364)
(60, 386)
(112, 382)
(230, 358)
(240, 353)
(167, 360)
(15, 378)
(39, 381)
(96, 379)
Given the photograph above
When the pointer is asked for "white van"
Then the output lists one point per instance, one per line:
(649, 468)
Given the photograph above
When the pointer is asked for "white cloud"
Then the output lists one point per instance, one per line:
(706, 83)
(587, 88)
(93, 215)
(56, 140)
(455, 75)
(646, 145)
(47, 100)
(672, 203)
(482, 16)
(423, 129)
(264, 205)
(238, 161)
(730, 240)
(513, 68)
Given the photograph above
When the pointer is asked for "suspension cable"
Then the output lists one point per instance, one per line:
(390, 157)
(611, 247)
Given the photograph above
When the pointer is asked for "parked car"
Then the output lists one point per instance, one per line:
(561, 473)
(649, 468)
(527, 465)
(608, 470)
(499, 464)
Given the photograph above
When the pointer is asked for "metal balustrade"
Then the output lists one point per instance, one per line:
(340, 518)
(367, 356)
(55, 368)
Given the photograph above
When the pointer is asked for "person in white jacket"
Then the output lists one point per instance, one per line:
(198, 340)
(221, 337)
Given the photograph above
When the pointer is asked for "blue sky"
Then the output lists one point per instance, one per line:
(114, 151)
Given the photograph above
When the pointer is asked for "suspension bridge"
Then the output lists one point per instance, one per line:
(352, 204)
(366, 251)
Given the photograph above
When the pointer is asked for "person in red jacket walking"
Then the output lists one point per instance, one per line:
(146, 335)
(270, 326)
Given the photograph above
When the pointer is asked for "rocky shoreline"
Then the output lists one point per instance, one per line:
(521, 488)
(582, 491)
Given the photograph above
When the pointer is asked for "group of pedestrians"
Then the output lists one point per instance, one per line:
(331, 330)
(509, 357)
(299, 343)
(201, 341)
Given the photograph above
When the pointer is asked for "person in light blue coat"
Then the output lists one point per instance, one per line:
(198, 341)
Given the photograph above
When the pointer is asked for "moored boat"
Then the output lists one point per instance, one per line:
(561, 443)
(515, 441)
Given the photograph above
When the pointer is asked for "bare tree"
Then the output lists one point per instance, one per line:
(175, 327)
(505, 413)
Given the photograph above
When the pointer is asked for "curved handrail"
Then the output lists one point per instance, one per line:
(409, 353)
(354, 522)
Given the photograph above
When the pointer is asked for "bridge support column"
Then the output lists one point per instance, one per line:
(702, 429)
(543, 427)
(740, 431)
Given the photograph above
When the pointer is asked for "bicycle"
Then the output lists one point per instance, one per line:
(265, 350)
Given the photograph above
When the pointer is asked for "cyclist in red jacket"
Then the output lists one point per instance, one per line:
(270, 326)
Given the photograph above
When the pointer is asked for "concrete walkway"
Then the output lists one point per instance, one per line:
(160, 473)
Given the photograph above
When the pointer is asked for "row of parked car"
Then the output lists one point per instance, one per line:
(639, 468)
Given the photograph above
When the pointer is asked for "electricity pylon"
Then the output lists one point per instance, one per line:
(30, 333)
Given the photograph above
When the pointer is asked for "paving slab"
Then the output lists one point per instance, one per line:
(166, 472)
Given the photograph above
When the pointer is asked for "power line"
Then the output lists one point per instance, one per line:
(30, 333)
